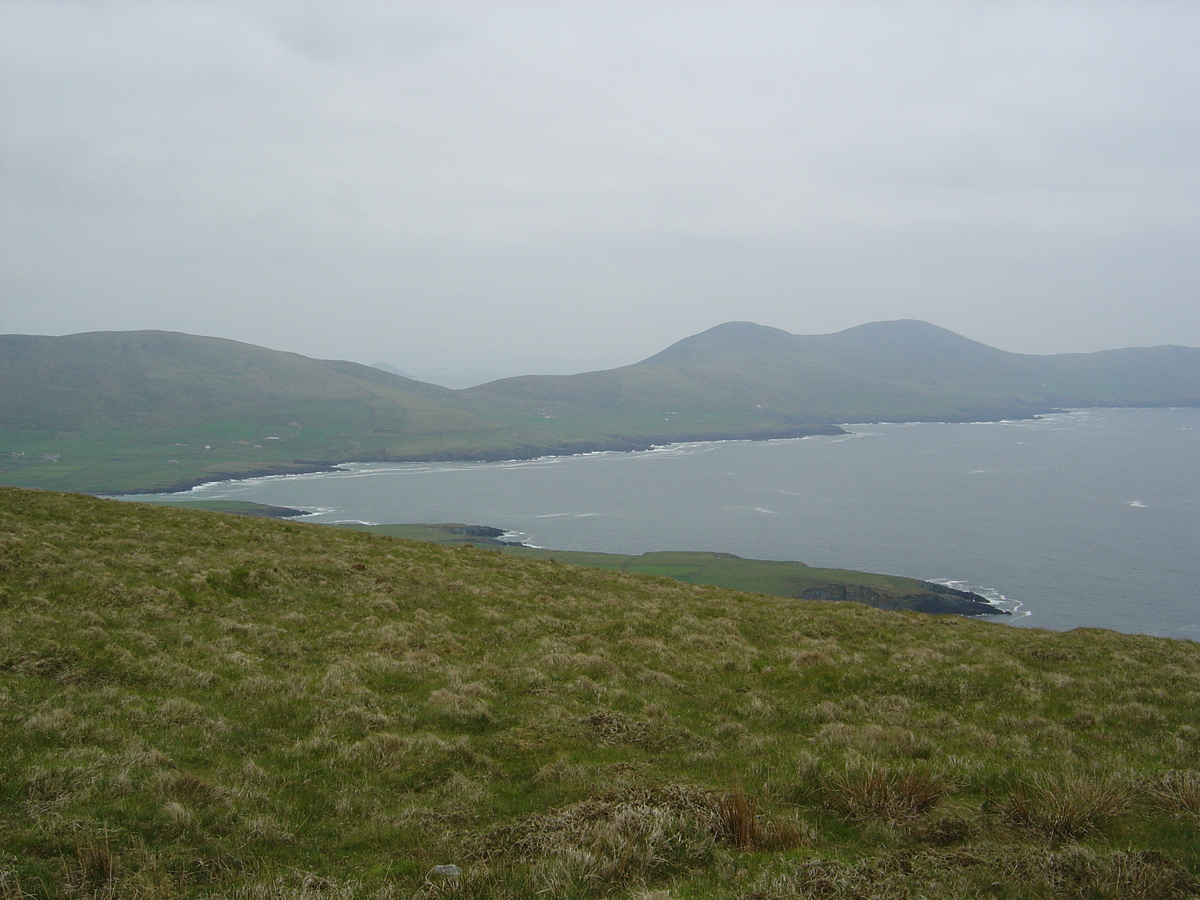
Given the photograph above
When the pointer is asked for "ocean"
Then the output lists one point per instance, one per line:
(1087, 518)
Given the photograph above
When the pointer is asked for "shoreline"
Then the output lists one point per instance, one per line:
(575, 448)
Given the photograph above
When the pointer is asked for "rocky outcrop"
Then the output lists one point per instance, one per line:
(934, 598)
(479, 531)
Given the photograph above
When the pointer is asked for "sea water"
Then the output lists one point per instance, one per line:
(1084, 518)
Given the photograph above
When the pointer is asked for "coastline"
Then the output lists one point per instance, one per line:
(574, 448)
(186, 484)
(527, 452)
(774, 577)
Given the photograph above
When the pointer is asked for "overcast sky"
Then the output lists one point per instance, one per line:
(470, 190)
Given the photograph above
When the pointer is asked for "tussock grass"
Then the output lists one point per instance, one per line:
(1059, 807)
(1021, 873)
(1177, 792)
(197, 706)
(866, 792)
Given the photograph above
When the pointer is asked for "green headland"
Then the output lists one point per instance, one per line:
(777, 577)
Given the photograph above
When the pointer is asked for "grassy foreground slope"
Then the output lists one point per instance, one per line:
(201, 705)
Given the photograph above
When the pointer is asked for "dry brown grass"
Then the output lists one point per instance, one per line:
(1066, 806)
(1177, 792)
(867, 792)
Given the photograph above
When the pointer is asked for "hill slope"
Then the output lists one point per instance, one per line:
(147, 410)
(152, 411)
(197, 705)
(883, 371)
(160, 379)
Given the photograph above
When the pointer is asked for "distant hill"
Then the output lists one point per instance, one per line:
(154, 410)
(883, 371)
(388, 367)
(164, 379)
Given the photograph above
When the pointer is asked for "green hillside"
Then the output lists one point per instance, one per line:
(142, 411)
(200, 705)
(884, 371)
(130, 410)
(152, 411)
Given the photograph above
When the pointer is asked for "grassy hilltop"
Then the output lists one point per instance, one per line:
(198, 705)
(153, 411)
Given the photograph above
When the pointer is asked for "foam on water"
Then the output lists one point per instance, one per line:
(1014, 607)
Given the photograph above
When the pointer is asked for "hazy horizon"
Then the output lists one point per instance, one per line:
(471, 190)
(464, 376)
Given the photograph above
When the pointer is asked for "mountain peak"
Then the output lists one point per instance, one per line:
(728, 335)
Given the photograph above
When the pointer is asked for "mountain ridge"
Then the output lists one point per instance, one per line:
(156, 410)
(903, 370)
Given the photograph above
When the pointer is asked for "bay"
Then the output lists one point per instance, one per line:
(1088, 518)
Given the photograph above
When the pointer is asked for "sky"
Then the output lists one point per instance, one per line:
(467, 191)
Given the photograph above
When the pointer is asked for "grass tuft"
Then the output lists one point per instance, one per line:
(1177, 792)
(1066, 806)
(872, 792)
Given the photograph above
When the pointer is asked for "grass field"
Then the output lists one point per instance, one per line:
(201, 705)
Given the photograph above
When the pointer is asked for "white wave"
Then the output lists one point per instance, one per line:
(324, 511)
(1006, 604)
(1138, 504)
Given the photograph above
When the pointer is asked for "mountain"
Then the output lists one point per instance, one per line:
(153, 410)
(159, 379)
(113, 412)
(883, 371)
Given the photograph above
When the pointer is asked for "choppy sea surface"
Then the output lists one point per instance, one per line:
(1084, 518)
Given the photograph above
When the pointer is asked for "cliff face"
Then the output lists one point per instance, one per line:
(936, 598)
